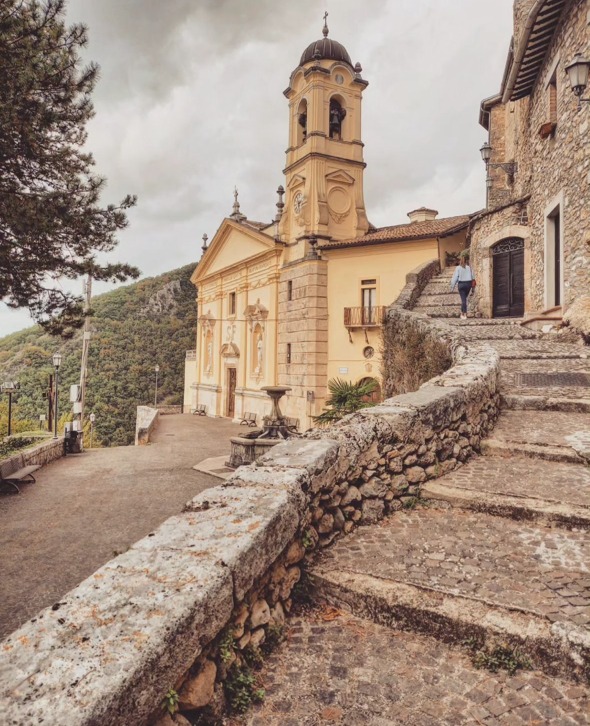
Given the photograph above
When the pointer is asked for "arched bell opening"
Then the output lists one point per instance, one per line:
(336, 120)
(302, 123)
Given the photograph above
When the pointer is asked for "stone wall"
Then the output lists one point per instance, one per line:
(186, 607)
(553, 171)
(145, 423)
(416, 281)
(169, 410)
(303, 324)
(39, 455)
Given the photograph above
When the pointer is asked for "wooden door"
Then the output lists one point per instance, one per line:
(508, 284)
(232, 375)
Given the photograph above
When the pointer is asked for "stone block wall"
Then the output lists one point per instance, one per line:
(169, 410)
(185, 605)
(303, 324)
(39, 455)
(416, 281)
(145, 423)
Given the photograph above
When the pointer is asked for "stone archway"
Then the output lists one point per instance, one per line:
(377, 395)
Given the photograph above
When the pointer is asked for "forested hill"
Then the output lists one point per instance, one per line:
(134, 328)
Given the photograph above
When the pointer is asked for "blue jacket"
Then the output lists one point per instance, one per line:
(462, 274)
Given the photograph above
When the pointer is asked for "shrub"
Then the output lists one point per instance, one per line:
(410, 357)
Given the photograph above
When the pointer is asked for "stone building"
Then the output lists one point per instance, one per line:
(301, 300)
(531, 246)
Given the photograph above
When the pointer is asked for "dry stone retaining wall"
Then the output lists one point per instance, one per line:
(182, 607)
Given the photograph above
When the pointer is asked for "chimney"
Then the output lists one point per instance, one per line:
(422, 215)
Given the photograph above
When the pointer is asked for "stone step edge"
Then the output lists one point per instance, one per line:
(534, 355)
(563, 454)
(558, 649)
(509, 506)
(515, 402)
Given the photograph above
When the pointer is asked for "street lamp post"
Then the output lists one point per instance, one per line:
(157, 369)
(92, 418)
(9, 387)
(56, 364)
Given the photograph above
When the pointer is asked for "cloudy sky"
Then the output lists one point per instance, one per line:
(190, 104)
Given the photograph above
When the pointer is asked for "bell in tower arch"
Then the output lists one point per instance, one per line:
(337, 115)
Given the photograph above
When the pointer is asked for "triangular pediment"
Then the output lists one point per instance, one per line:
(232, 245)
(340, 176)
(296, 180)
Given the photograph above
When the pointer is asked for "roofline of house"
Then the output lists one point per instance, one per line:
(413, 238)
(521, 50)
(485, 108)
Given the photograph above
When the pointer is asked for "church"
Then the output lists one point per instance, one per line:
(301, 300)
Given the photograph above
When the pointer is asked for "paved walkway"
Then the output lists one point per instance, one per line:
(343, 670)
(84, 509)
(499, 553)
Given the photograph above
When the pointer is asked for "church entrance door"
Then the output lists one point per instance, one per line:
(232, 375)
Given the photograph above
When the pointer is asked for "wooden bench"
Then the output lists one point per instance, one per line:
(249, 419)
(14, 471)
(199, 410)
(292, 424)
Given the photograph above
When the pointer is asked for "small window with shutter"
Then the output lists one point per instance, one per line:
(548, 128)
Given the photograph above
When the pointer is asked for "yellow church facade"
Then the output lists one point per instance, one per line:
(300, 300)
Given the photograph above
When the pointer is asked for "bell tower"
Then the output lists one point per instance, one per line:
(325, 165)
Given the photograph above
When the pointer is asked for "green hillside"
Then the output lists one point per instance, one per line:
(134, 327)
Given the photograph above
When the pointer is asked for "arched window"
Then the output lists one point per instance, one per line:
(337, 116)
(302, 123)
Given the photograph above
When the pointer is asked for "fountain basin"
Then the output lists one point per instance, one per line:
(248, 449)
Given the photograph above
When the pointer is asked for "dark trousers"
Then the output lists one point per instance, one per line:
(464, 290)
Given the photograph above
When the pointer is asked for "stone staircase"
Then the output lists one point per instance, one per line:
(498, 551)
(494, 558)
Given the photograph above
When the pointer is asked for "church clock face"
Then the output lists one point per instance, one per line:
(298, 203)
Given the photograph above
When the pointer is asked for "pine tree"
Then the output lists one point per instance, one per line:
(51, 221)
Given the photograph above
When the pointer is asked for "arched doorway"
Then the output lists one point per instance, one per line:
(508, 272)
(376, 396)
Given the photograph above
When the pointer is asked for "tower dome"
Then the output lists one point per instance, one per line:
(325, 49)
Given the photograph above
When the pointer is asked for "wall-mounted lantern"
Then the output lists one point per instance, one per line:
(578, 71)
(510, 167)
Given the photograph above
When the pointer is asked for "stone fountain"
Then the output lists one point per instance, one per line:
(250, 447)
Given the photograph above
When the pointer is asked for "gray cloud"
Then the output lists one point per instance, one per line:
(190, 103)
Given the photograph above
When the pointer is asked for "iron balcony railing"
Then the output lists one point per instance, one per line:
(364, 317)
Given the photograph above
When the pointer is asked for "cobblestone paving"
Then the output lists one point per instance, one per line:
(520, 477)
(541, 349)
(509, 377)
(535, 568)
(496, 333)
(392, 678)
(546, 428)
